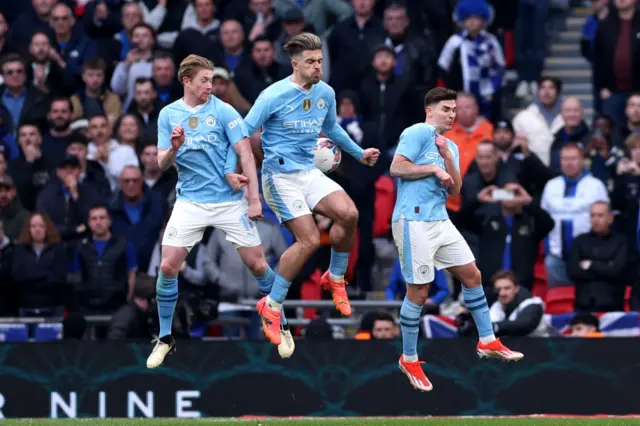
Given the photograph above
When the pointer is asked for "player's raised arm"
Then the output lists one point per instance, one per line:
(451, 163)
(403, 165)
(170, 139)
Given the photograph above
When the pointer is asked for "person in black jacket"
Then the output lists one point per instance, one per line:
(516, 313)
(66, 200)
(8, 300)
(48, 71)
(575, 130)
(107, 265)
(29, 171)
(258, 73)
(92, 174)
(162, 181)
(39, 268)
(615, 71)
(133, 320)
(511, 240)
(596, 264)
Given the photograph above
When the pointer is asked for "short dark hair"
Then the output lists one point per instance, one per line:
(94, 64)
(101, 115)
(439, 94)
(383, 316)
(301, 43)
(162, 54)
(144, 80)
(99, 205)
(505, 274)
(12, 57)
(77, 137)
(585, 318)
(554, 80)
(61, 99)
(261, 39)
(147, 26)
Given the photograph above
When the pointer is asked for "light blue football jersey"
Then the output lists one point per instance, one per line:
(291, 119)
(422, 199)
(210, 131)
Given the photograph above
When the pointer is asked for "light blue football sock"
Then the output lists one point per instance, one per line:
(476, 303)
(167, 298)
(265, 283)
(338, 264)
(280, 288)
(410, 324)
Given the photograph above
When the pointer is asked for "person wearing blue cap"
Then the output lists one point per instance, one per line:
(472, 60)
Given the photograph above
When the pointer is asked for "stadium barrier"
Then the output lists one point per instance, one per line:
(337, 378)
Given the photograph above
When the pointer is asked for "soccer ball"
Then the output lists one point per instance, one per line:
(326, 155)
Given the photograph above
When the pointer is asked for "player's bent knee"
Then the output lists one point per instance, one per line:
(311, 242)
(169, 270)
(474, 278)
(350, 217)
(258, 267)
(418, 293)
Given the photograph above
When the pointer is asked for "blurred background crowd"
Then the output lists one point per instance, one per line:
(548, 129)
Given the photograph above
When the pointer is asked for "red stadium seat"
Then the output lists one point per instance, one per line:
(627, 298)
(540, 276)
(560, 300)
(385, 200)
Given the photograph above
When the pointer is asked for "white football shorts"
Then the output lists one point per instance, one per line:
(423, 245)
(189, 220)
(291, 195)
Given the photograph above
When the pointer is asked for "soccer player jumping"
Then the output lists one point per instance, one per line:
(200, 134)
(427, 165)
(292, 113)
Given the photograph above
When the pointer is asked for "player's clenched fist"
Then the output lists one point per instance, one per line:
(441, 143)
(236, 181)
(445, 179)
(370, 157)
(177, 137)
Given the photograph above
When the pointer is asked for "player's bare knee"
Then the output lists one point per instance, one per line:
(474, 279)
(169, 270)
(349, 218)
(258, 266)
(311, 242)
(418, 293)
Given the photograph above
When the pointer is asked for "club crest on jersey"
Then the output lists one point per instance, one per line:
(306, 104)
(193, 122)
(210, 121)
(320, 103)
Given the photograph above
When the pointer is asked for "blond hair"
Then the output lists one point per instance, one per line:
(302, 42)
(190, 66)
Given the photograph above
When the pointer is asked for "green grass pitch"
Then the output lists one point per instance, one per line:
(335, 422)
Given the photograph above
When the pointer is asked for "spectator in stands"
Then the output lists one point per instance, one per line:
(12, 214)
(225, 89)
(91, 172)
(631, 124)
(200, 33)
(541, 120)
(416, 57)
(600, 13)
(618, 57)
(203, 20)
(531, 44)
(138, 213)
(477, 188)
(112, 156)
(74, 327)
(568, 198)
(107, 264)
(128, 130)
(510, 239)
(384, 327)
(585, 324)
(596, 264)
(8, 144)
(146, 107)
(137, 64)
(606, 125)
(5, 47)
(36, 19)
(162, 181)
(49, 72)
(94, 98)
(39, 268)
(468, 131)
(73, 44)
(29, 171)
(602, 158)
(163, 73)
(517, 160)
(626, 193)
(259, 72)
(388, 100)
(479, 53)
(317, 13)
(4, 162)
(8, 301)
(575, 130)
(133, 320)
(65, 200)
(260, 20)
(516, 313)
(292, 25)
(318, 330)
(350, 44)
(438, 289)
(18, 102)
(232, 41)
(55, 141)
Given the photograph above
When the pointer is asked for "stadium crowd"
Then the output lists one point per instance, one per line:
(549, 201)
